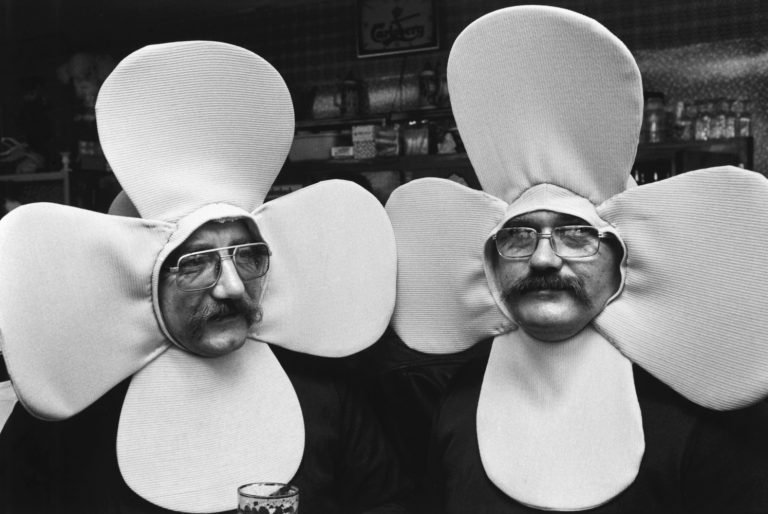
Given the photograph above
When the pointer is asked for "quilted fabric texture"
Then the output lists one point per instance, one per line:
(549, 106)
(194, 131)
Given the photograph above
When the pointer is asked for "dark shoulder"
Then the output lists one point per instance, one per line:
(473, 368)
(320, 382)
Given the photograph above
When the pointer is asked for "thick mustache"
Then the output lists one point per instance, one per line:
(224, 308)
(539, 282)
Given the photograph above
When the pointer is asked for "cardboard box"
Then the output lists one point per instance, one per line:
(313, 146)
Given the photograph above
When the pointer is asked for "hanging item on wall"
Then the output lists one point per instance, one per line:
(386, 27)
(428, 88)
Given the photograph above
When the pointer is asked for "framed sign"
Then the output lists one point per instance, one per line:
(386, 27)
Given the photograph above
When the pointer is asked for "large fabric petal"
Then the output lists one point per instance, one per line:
(8, 401)
(76, 311)
(331, 285)
(559, 424)
(444, 301)
(693, 309)
(534, 105)
(196, 122)
(182, 447)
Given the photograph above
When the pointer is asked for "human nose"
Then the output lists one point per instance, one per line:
(544, 255)
(229, 285)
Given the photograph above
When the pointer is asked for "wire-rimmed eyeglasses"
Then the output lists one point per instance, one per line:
(198, 271)
(567, 242)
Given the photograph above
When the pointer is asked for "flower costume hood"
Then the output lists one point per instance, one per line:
(549, 105)
(194, 131)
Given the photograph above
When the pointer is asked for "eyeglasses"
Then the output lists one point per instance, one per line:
(568, 242)
(197, 271)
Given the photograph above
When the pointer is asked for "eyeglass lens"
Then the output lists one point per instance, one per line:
(566, 242)
(202, 270)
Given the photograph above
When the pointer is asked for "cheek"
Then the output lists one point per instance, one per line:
(254, 289)
(602, 283)
(509, 272)
(175, 308)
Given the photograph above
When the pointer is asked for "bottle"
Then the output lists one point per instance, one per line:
(717, 122)
(745, 120)
(654, 117)
(682, 123)
(730, 120)
(427, 88)
(703, 120)
(691, 113)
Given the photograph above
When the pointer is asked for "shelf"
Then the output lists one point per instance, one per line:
(653, 161)
(35, 177)
(47, 176)
(715, 145)
(672, 158)
(375, 119)
(402, 162)
(738, 146)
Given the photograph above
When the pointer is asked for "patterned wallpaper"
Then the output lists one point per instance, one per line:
(316, 41)
(731, 69)
(689, 50)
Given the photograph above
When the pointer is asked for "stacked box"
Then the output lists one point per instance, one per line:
(364, 141)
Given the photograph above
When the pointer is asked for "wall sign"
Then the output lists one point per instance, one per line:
(386, 27)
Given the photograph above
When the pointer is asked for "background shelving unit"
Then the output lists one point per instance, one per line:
(43, 178)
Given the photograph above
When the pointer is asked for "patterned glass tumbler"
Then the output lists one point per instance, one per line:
(267, 498)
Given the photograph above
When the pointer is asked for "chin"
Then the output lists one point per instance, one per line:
(551, 321)
(220, 344)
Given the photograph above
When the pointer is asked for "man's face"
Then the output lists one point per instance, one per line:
(552, 298)
(217, 320)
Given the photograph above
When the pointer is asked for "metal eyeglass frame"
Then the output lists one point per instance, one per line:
(229, 255)
(539, 236)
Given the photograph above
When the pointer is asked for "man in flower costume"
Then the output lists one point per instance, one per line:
(171, 345)
(628, 358)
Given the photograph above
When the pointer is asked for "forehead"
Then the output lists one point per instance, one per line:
(542, 218)
(216, 234)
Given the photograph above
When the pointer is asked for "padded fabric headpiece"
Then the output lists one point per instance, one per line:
(194, 131)
(549, 106)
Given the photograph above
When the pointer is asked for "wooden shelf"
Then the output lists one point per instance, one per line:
(672, 158)
(741, 147)
(653, 160)
(35, 177)
(402, 162)
(375, 119)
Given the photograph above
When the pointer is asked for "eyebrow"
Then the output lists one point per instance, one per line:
(201, 247)
(525, 221)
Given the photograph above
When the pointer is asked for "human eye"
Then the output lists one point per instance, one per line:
(576, 236)
(252, 259)
(197, 262)
(515, 241)
(521, 235)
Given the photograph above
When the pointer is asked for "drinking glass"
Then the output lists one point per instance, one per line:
(267, 498)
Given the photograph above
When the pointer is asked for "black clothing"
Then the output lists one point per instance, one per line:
(406, 387)
(71, 466)
(696, 460)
